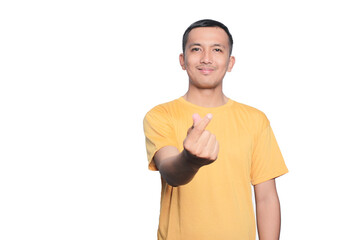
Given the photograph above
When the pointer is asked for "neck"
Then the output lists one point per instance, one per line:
(206, 97)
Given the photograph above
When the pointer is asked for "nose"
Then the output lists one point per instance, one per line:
(206, 57)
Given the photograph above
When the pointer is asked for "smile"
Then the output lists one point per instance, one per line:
(206, 70)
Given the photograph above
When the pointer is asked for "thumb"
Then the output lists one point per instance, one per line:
(196, 118)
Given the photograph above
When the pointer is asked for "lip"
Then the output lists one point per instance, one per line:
(206, 70)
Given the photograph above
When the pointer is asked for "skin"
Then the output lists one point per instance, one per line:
(200, 148)
(206, 60)
(267, 210)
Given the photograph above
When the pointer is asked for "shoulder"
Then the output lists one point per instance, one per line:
(163, 108)
(251, 116)
(248, 110)
(161, 112)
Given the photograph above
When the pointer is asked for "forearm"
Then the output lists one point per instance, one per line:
(268, 218)
(177, 170)
(200, 148)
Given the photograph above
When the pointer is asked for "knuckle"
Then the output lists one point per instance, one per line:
(198, 152)
(187, 145)
(213, 156)
(214, 137)
(206, 134)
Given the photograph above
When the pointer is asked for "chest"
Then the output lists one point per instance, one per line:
(235, 140)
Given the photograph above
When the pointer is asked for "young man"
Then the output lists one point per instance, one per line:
(210, 149)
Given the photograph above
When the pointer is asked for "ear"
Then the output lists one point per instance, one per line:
(231, 63)
(182, 61)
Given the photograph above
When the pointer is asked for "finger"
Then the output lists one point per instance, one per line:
(199, 126)
(202, 123)
(215, 153)
(202, 143)
(212, 147)
(196, 118)
(211, 142)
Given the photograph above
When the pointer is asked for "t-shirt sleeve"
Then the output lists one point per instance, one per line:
(159, 132)
(267, 160)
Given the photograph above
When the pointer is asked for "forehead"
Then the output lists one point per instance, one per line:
(208, 35)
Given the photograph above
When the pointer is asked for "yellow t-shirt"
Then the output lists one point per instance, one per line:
(217, 203)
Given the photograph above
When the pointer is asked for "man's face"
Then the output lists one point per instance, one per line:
(206, 57)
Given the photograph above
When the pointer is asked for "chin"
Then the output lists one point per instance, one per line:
(205, 82)
(206, 85)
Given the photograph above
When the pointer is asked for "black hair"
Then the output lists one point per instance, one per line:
(206, 23)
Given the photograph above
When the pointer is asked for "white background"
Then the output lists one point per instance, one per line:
(77, 77)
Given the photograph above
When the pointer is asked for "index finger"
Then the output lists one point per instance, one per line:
(202, 124)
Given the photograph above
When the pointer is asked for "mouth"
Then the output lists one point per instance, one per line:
(205, 70)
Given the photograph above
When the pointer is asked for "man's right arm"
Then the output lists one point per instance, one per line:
(200, 148)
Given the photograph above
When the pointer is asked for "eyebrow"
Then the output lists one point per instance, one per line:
(214, 45)
(194, 44)
(218, 45)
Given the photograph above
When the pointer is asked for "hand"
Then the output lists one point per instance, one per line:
(201, 146)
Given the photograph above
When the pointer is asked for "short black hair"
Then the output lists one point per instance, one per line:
(206, 23)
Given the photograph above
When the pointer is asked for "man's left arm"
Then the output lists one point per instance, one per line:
(267, 210)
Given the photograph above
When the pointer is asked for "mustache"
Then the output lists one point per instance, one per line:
(207, 67)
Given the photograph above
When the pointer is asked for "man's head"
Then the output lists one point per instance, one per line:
(206, 23)
(206, 54)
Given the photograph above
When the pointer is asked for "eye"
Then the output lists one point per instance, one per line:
(218, 50)
(195, 49)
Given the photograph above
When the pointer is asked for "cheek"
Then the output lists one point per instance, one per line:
(191, 61)
(225, 63)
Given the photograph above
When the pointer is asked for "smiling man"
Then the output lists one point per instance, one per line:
(210, 150)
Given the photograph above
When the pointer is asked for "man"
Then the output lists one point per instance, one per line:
(210, 149)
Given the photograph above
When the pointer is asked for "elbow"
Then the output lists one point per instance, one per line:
(175, 182)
